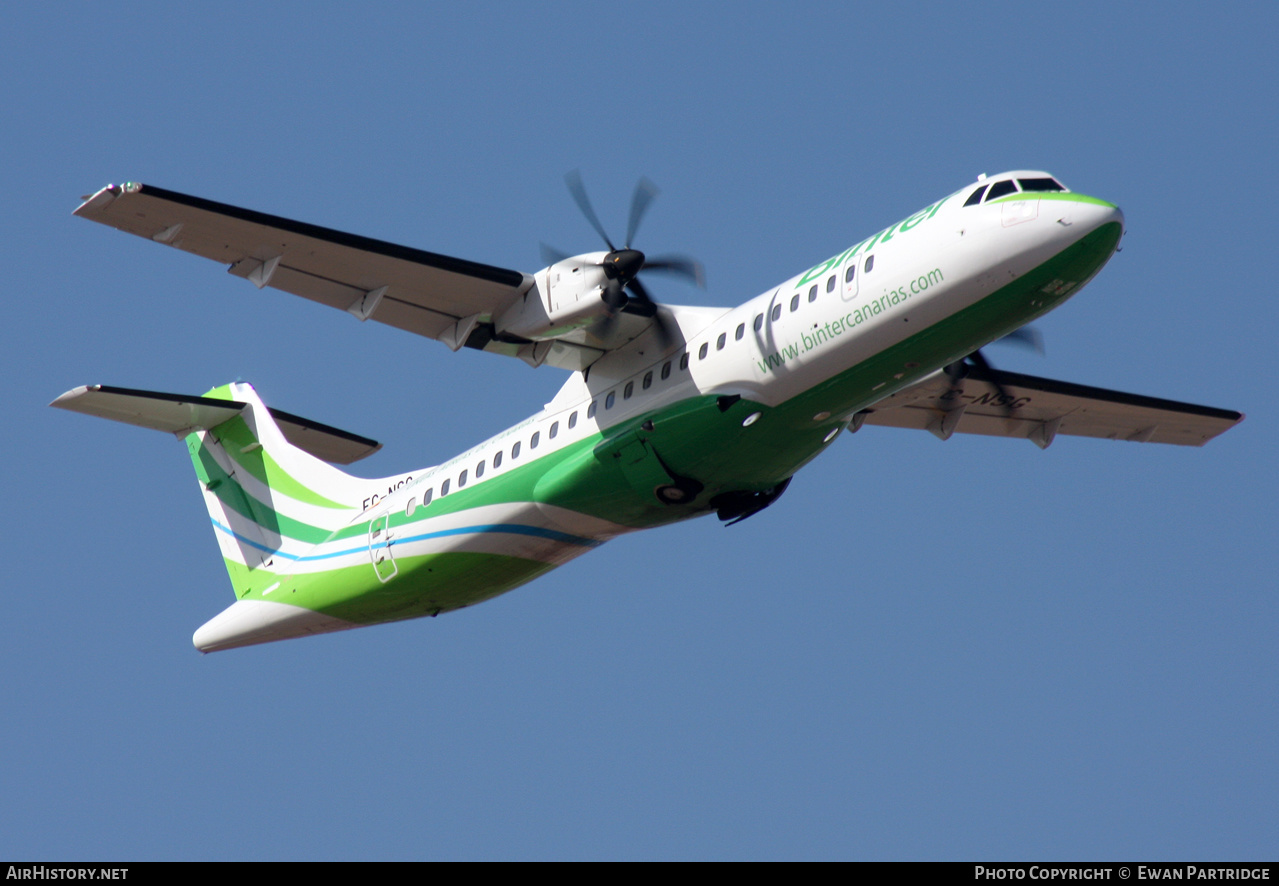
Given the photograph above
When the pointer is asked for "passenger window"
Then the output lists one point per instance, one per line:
(444, 488)
(848, 275)
(830, 283)
(426, 498)
(572, 420)
(701, 352)
(741, 330)
(719, 342)
(666, 370)
(497, 459)
(515, 450)
(648, 380)
(410, 507)
(479, 470)
(794, 303)
(683, 361)
(461, 479)
(759, 322)
(555, 429)
(975, 197)
(812, 293)
(534, 440)
(1001, 189)
(610, 399)
(870, 263)
(777, 313)
(590, 410)
(628, 390)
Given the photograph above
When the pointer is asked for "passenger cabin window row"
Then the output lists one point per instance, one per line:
(774, 314)
(610, 400)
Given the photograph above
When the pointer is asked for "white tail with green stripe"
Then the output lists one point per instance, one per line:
(271, 501)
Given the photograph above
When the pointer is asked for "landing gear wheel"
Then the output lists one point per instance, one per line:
(671, 494)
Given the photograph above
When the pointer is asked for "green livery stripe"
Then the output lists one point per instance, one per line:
(229, 491)
(439, 583)
(239, 442)
(1065, 196)
(246, 581)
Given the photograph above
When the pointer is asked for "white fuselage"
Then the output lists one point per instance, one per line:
(935, 262)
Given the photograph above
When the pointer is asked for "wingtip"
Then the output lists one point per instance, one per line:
(91, 203)
(62, 401)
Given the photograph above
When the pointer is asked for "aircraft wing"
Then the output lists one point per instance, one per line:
(1040, 408)
(447, 299)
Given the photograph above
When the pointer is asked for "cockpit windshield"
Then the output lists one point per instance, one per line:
(985, 193)
(1001, 189)
(1040, 184)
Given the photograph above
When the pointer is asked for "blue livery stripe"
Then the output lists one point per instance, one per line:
(487, 528)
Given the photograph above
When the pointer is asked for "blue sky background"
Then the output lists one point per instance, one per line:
(963, 650)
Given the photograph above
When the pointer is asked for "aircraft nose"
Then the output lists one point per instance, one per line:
(1087, 214)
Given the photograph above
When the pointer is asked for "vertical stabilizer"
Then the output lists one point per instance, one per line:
(268, 500)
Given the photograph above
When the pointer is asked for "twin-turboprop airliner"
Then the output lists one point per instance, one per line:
(668, 412)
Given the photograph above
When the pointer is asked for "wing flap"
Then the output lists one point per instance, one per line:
(1039, 408)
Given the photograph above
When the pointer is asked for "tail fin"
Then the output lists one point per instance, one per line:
(269, 500)
(268, 496)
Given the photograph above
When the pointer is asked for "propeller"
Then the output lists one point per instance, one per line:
(1026, 336)
(624, 292)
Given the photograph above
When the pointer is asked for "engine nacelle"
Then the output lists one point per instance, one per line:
(564, 301)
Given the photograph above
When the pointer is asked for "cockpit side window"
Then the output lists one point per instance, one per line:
(1001, 189)
(1040, 184)
(975, 197)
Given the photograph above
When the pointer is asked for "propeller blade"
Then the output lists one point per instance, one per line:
(605, 326)
(578, 190)
(645, 191)
(551, 255)
(643, 303)
(681, 265)
(614, 296)
(979, 360)
(644, 306)
(664, 327)
(1027, 336)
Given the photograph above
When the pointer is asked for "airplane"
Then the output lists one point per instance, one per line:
(669, 412)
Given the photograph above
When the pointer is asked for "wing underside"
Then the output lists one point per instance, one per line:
(448, 299)
(1039, 409)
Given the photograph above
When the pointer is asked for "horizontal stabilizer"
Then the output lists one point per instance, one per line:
(180, 414)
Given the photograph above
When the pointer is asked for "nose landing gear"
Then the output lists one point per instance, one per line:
(734, 507)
